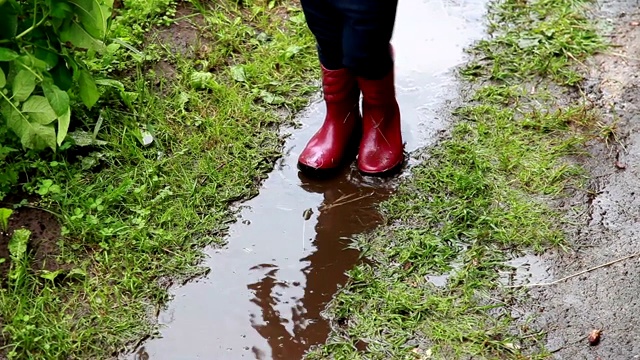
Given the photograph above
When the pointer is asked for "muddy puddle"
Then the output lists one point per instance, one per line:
(526, 270)
(288, 252)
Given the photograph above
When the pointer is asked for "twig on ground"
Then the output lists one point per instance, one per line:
(623, 56)
(576, 274)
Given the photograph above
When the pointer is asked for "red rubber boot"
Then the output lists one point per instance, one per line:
(327, 148)
(381, 147)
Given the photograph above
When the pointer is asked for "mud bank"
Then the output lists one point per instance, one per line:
(606, 217)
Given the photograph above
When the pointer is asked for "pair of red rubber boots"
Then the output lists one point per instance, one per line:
(376, 133)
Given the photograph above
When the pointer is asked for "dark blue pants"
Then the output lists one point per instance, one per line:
(353, 34)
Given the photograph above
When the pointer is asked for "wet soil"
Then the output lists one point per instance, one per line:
(606, 217)
(43, 243)
(288, 253)
(182, 38)
(42, 246)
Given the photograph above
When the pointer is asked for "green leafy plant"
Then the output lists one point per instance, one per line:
(18, 252)
(5, 214)
(39, 66)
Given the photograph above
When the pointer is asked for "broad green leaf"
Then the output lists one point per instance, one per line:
(14, 119)
(271, 98)
(50, 275)
(79, 37)
(291, 51)
(3, 79)
(18, 243)
(43, 136)
(6, 110)
(56, 22)
(30, 63)
(32, 135)
(129, 97)
(93, 16)
(8, 54)
(60, 9)
(298, 19)
(237, 72)
(58, 99)
(39, 110)
(105, 13)
(112, 48)
(5, 214)
(77, 272)
(49, 58)
(23, 85)
(63, 126)
(39, 64)
(110, 82)
(200, 80)
(88, 90)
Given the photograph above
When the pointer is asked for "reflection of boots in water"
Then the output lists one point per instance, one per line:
(329, 147)
(338, 220)
(272, 325)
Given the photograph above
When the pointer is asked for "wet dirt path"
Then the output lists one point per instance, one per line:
(606, 217)
(265, 292)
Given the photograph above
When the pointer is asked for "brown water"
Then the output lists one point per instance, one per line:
(287, 254)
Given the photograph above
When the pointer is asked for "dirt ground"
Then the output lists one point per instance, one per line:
(607, 217)
(45, 232)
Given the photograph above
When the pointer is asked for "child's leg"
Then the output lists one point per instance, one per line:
(329, 146)
(326, 23)
(367, 32)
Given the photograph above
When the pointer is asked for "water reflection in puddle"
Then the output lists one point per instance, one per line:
(527, 269)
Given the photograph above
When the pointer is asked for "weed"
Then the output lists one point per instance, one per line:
(480, 198)
(18, 252)
(608, 131)
(5, 214)
(38, 69)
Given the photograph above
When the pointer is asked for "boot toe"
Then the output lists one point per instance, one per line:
(316, 161)
(380, 165)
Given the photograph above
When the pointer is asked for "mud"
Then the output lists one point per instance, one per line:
(43, 243)
(526, 270)
(607, 217)
(183, 37)
(288, 252)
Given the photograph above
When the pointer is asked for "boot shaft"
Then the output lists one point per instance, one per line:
(381, 147)
(380, 92)
(332, 143)
(339, 86)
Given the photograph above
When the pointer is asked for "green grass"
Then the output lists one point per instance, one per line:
(135, 217)
(482, 196)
